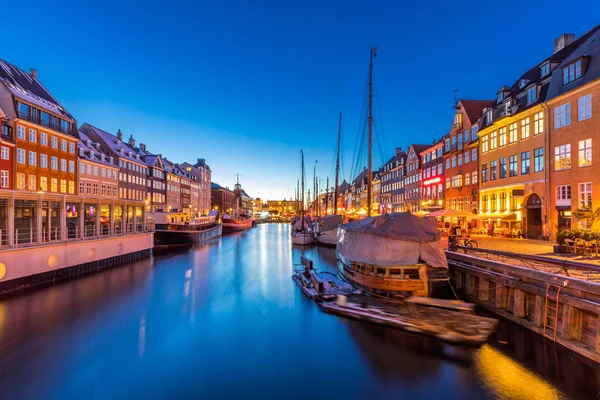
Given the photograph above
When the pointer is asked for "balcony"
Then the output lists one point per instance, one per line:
(37, 119)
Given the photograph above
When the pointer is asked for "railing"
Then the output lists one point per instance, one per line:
(25, 237)
(49, 124)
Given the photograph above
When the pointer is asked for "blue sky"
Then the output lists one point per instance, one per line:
(247, 84)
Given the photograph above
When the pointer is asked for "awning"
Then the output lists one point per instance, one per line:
(503, 216)
(563, 208)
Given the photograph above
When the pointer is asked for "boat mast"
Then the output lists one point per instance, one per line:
(302, 210)
(337, 166)
(297, 195)
(327, 196)
(370, 172)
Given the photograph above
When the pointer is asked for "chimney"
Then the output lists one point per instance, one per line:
(33, 72)
(120, 135)
(131, 141)
(143, 147)
(563, 41)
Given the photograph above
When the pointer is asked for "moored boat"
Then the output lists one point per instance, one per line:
(395, 255)
(236, 224)
(301, 234)
(173, 229)
(327, 230)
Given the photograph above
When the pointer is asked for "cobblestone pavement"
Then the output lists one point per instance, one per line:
(529, 247)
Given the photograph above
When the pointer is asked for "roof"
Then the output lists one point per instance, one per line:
(112, 143)
(418, 148)
(474, 108)
(357, 182)
(91, 151)
(27, 88)
(216, 186)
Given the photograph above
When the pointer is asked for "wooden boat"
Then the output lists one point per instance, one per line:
(301, 235)
(327, 230)
(174, 229)
(302, 238)
(321, 286)
(235, 225)
(449, 326)
(393, 255)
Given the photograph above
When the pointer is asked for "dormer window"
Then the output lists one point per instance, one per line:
(522, 83)
(545, 69)
(572, 72)
(507, 106)
(489, 116)
(500, 97)
(81, 152)
(531, 94)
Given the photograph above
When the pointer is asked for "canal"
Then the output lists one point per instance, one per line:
(225, 320)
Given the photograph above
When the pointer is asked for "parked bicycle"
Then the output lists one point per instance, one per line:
(454, 242)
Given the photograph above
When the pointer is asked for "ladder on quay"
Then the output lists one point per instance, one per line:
(551, 312)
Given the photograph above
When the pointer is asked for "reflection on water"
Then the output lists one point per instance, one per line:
(225, 320)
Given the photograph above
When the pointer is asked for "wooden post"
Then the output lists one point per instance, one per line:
(538, 318)
(484, 289)
(519, 303)
(501, 295)
(458, 278)
(572, 322)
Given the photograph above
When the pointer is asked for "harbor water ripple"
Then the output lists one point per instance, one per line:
(225, 321)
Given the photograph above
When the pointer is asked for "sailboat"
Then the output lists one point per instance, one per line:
(390, 255)
(300, 233)
(327, 229)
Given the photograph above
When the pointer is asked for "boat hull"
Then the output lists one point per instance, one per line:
(230, 227)
(396, 281)
(302, 239)
(182, 237)
(327, 239)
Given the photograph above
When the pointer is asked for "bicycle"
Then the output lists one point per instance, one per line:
(454, 242)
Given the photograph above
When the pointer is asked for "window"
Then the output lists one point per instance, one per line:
(489, 115)
(81, 188)
(439, 169)
(89, 169)
(63, 144)
(32, 135)
(585, 152)
(54, 142)
(503, 168)
(20, 180)
(474, 132)
(21, 156)
(447, 163)
(81, 168)
(63, 165)
(493, 140)
(467, 179)
(447, 183)
(493, 170)
(484, 202)
(72, 148)
(538, 123)
(54, 162)
(95, 170)
(32, 158)
(43, 139)
(584, 107)
(5, 154)
(54, 185)
(44, 183)
(494, 202)
(503, 201)
(467, 157)
(474, 178)
(563, 192)
(43, 160)
(484, 144)
(562, 116)
(545, 69)
(95, 188)
(503, 136)
(524, 128)
(31, 182)
(585, 195)
(531, 94)
(474, 155)
(63, 186)
(20, 132)
(538, 159)
(562, 157)
(460, 141)
(72, 167)
(4, 179)
(525, 162)
(572, 72)
(72, 187)
(484, 173)
(467, 136)
(453, 161)
(460, 159)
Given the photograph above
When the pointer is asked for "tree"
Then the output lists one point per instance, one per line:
(588, 214)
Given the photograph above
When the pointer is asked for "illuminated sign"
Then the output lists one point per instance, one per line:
(431, 181)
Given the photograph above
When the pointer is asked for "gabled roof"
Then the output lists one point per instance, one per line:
(418, 148)
(28, 88)
(91, 152)
(358, 181)
(343, 187)
(474, 108)
(112, 143)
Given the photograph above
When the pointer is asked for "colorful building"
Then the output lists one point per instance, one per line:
(392, 183)
(432, 182)
(412, 180)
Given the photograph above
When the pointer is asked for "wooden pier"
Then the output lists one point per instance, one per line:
(561, 308)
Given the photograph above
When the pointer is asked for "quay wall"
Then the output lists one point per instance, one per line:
(28, 266)
(520, 295)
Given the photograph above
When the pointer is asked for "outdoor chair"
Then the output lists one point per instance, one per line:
(570, 245)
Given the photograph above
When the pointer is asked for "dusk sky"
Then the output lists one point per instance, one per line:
(247, 84)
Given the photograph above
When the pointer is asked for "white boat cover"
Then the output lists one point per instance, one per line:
(392, 239)
(213, 213)
(330, 222)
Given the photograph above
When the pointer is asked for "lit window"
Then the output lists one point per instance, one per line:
(54, 185)
(493, 140)
(20, 180)
(524, 128)
(44, 183)
(562, 157)
(585, 152)
(484, 144)
(31, 180)
(585, 195)
(63, 186)
(538, 123)
(503, 136)
(584, 107)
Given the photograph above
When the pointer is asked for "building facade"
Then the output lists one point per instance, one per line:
(432, 182)
(412, 179)
(392, 183)
(461, 157)
(222, 198)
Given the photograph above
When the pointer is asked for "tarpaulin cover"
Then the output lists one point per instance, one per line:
(393, 239)
(330, 222)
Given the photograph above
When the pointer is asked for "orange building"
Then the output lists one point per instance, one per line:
(574, 144)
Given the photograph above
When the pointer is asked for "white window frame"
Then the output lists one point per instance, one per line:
(562, 157)
(584, 107)
(584, 153)
(562, 116)
(5, 153)
(21, 156)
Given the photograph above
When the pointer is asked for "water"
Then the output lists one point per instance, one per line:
(226, 321)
